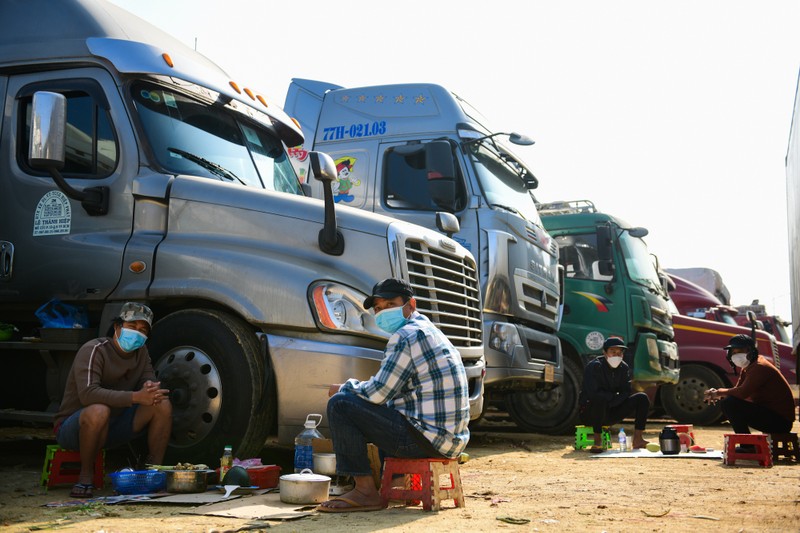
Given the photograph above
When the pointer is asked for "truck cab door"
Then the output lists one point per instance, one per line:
(418, 179)
(60, 250)
(594, 300)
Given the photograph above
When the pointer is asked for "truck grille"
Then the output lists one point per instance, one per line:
(447, 292)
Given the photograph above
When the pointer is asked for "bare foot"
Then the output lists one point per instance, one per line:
(640, 443)
(360, 498)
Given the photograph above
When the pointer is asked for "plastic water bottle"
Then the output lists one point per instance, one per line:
(225, 462)
(623, 440)
(303, 451)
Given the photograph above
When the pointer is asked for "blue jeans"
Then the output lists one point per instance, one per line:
(120, 430)
(354, 422)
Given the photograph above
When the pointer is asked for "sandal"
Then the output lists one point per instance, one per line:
(596, 449)
(82, 491)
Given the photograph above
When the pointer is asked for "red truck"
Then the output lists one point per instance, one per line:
(769, 323)
(702, 327)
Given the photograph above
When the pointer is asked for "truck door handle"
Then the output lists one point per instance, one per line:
(6, 260)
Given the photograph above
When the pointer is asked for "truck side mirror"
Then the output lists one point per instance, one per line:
(604, 251)
(331, 240)
(48, 130)
(441, 174)
(48, 148)
(447, 223)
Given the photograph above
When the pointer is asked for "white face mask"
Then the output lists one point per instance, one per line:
(740, 360)
(614, 361)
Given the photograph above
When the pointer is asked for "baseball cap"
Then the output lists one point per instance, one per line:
(389, 288)
(133, 311)
(614, 341)
(740, 341)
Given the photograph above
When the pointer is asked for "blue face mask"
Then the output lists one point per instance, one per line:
(130, 339)
(390, 320)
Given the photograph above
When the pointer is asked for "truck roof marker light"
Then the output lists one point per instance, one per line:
(262, 100)
(235, 87)
(249, 93)
(323, 311)
(137, 267)
(167, 59)
(464, 133)
(299, 127)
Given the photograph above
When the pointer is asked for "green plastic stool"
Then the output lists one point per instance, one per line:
(584, 436)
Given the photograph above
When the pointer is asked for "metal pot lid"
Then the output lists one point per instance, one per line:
(305, 475)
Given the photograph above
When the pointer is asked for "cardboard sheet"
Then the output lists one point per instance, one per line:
(198, 498)
(261, 507)
(644, 454)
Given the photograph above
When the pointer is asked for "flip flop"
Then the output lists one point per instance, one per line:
(82, 491)
(596, 449)
(354, 506)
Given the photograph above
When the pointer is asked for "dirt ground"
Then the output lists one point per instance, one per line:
(538, 480)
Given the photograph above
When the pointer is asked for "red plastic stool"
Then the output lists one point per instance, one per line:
(422, 482)
(64, 466)
(785, 444)
(762, 454)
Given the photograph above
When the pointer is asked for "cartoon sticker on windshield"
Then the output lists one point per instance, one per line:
(53, 215)
(345, 182)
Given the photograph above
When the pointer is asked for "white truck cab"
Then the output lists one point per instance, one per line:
(419, 153)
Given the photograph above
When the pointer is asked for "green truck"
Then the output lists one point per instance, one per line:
(612, 286)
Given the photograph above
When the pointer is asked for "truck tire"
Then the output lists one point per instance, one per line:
(211, 364)
(552, 412)
(683, 401)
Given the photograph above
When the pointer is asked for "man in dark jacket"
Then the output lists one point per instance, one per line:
(606, 398)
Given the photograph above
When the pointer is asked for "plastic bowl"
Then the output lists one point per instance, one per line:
(138, 481)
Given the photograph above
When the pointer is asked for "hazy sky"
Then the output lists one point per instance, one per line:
(671, 115)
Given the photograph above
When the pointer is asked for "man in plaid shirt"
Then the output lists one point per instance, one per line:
(415, 406)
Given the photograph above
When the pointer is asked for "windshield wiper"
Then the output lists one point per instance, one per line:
(212, 167)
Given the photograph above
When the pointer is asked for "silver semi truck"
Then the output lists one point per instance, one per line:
(416, 151)
(133, 168)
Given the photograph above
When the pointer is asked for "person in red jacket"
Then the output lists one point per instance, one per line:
(112, 396)
(761, 399)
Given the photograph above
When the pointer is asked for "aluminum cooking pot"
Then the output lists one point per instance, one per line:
(187, 481)
(325, 463)
(304, 488)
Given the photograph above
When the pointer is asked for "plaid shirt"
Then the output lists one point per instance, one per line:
(423, 378)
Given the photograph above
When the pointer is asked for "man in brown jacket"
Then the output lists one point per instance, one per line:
(111, 396)
(761, 399)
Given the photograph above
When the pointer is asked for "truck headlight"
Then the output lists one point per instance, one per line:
(504, 337)
(652, 348)
(340, 308)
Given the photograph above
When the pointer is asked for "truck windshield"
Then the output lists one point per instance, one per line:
(638, 261)
(189, 136)
(501, 178)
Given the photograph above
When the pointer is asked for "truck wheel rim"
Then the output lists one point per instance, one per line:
(195, 393)
(690, 394)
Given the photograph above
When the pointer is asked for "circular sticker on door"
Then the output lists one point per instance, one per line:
(594, 340)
